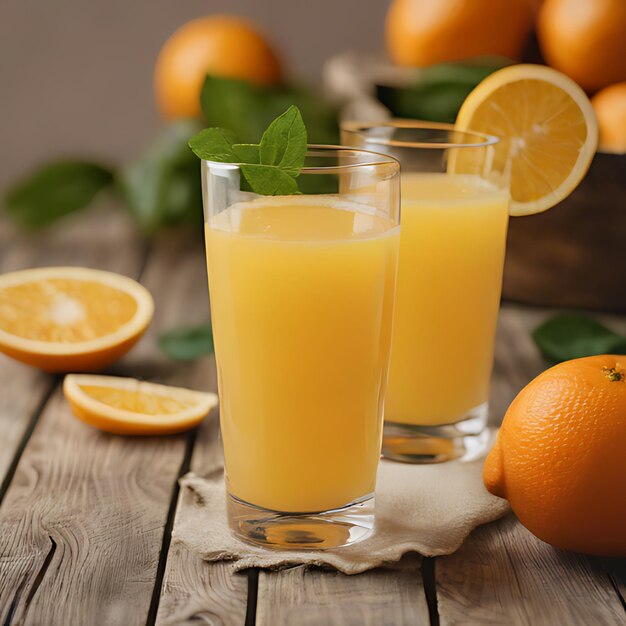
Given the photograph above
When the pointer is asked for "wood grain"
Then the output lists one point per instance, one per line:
(194, 590)
(517, 359)
(504, 575)
(616, 569)
(97, 505)
(310, 597)
(74, 241)
(23, 392)
(84, 515)
(83, 518)
(568, 256)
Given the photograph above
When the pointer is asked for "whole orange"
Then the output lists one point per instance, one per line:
(585, 40)
(610, 107)
(560, 456)
(223, 45)
(423, 32)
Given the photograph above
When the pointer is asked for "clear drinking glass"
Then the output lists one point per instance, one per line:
(454, 197)
(302, 291)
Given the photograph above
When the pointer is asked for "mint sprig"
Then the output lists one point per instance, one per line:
(270, 168)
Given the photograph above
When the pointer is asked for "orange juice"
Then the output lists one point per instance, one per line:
(447, 297)
(301, 299)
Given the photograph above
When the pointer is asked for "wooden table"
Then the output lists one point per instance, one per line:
(86, 518)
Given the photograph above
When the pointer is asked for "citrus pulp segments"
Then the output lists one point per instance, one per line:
(547, 129)
(84, 355)
(103, 402)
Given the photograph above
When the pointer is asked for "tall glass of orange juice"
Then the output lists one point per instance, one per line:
(454, 198)
(302, 291)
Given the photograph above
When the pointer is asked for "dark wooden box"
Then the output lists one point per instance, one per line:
(574, 255)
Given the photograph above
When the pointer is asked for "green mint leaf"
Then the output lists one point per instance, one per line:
(187, 343)
(214, 144)
(566, 337)
(163, 185)
(246, 152)
(269, 180)
(55, 190)
(268, 168)
(284, 143)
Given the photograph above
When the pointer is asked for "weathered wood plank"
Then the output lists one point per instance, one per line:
(517, 359)
(504, 575)
(84, 516)
(194, 590)
(23, 391)
(96, 506)
(309, 597)
(74, 241)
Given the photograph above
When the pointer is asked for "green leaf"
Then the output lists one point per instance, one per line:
(247, 109)
(247, 152)
(237, 105)
(56, 190)
(214, 144)
(269, 180)
(187, 343)
(284, 143)
(566, 337)
(439, 90)
(163, 186)
(269, 168)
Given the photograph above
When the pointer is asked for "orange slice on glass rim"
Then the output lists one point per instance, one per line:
(126, 406)
(69, 318)
(547, 128)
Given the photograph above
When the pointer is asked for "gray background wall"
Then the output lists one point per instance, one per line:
(76, 75)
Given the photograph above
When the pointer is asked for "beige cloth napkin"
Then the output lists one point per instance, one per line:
(428, 509)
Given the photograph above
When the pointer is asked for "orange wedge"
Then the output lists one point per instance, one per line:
(547, 128)
(71, 319)
(126, 406)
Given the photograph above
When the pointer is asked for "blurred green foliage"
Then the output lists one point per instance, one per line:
(163, 185)
(187, 343)
(55, 190)
(565, 337)
(248, 110)
(439, 91)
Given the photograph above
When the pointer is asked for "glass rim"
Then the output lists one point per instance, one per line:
(359, 129)
(371, 159)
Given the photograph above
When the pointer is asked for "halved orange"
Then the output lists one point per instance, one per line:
(126, 406)
(547, 128)
(69, 318)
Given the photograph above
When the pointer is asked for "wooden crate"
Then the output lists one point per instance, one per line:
(574, 255)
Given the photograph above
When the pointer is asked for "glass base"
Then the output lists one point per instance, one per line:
(301, 531)
(464, 440)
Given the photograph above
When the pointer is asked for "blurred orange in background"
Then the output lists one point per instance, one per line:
(423, 32)
(610, 107)
(585, 39)
(222, 45)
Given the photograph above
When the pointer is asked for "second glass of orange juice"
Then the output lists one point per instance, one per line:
(454, 221)
(302, 292)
